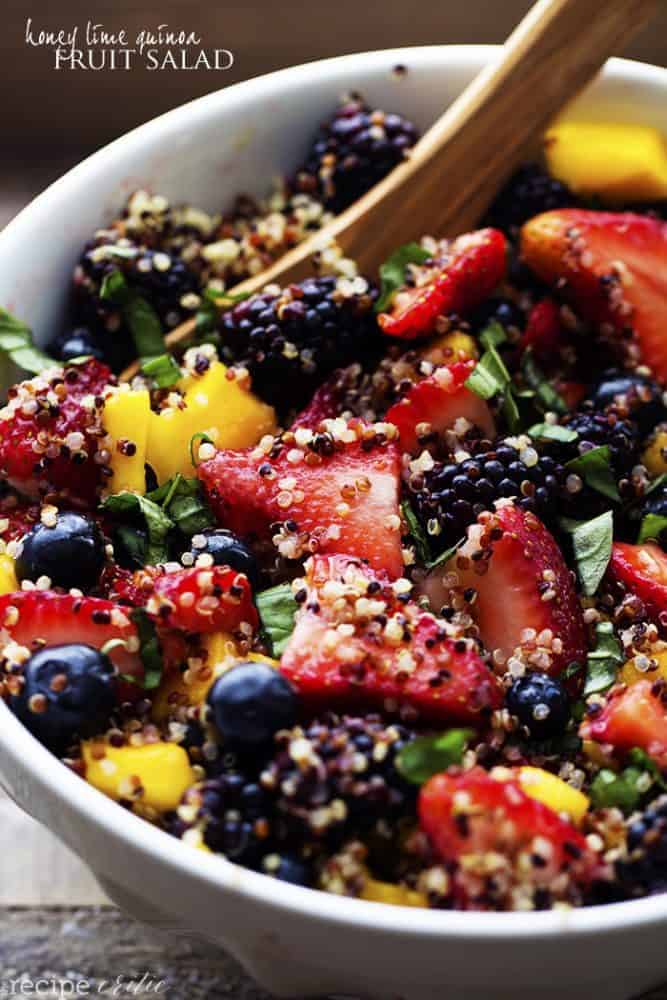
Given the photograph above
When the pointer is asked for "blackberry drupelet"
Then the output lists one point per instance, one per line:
(450, 496)
(528, 192)
(644, 870)
(595, 430)
(297, 337)
(639, 396)
(354, 150)
(337, 778)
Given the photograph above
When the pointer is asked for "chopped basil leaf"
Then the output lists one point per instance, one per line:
(149, 650)
(493, 335)
(546, 397)
(203, 438)
(640, 758)
(482, 381)
(553, 432)
(594, 467)
(392, 272)
(652, 527)
(657, 483)
(276, 608)
(182, 500)
(446, 555)
(425, 756)
(112, 250)
(603, 662)
(422, 546)
(133, 542)
(16, 342)
(158, 524)
(142, 320)
(163, 370)
(622, 791)
(592, 542)
(490, 377)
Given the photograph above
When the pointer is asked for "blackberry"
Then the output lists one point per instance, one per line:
(449, 497)
(295, 338)
(644, 870)
(596, 429)
(353, 150)
(337, 778)
(639, 396)
(529, 191)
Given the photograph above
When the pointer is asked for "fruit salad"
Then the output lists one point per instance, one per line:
(362, 586)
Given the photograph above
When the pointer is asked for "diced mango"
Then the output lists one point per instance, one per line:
(8, 581)
(615, 162)
(396, 895)
(655, 455)
(155, 774)
(553, 792)
(630, 672)
(451, 347)
(126, 419)
(216, 405)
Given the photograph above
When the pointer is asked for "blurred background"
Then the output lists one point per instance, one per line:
(49, 120)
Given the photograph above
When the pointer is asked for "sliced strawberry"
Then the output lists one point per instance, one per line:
(436, 403)
(324, 405)
(642, 569)
(335, 491)
(543, 333)
(475, 819)
(612, 266)
(634, 716)
(525, 601)
(216, 599)
(17, 518)
(49, 432)
(356, 644)
(34, 618)
(462, 273)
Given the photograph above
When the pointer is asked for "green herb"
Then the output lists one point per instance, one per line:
(490, 377)
(493, 335)
(657, 483)
(482, 380)
(392, 272)
(149, 650)
(603, 662)
(163, 370)
(609, 790)
(592, 541)
(446, 555)
(182, 500)
(420, 759)
(203, 438)
(422, 546)
(652, 527)
(640, 758)
(133, 543)
(17, 344)
(276, 608)
(138, 313)
(158, 524)
(112, 250)
(546, 397)
(553, 432)
(594, 467)
(213, 304)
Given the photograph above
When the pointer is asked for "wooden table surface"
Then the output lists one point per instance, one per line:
(55, 922)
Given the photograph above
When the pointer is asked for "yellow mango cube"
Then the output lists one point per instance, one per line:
(8, 582)
(155, 774)
(553, 792)
(396, 895)
(126, 419)
(215, 405)
(616, 162)
(451, 347)
(631, 673)
(655, 454)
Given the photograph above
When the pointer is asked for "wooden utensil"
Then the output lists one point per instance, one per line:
(456, 168)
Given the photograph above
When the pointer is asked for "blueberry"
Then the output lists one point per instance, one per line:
(289, 869)
(70, 554)
(250, 703)
(68, 691)
(227, 549)
(540, 703)
(643, 396)
(76, 344)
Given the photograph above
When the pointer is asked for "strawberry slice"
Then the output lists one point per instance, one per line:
(49, 432)
(634, 716)
(525, 601)
(612, 266)
(17, 518)
(476, 817)
(433, 406)
(356, 643)
(332, 491)
(34, 618)
(462, 273)
(543, 333)
(642, 569)
(215, 599)
(324, 405)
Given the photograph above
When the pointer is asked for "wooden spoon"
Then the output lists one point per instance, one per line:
(455, 169)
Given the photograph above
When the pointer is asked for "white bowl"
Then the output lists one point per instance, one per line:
(297, 941)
